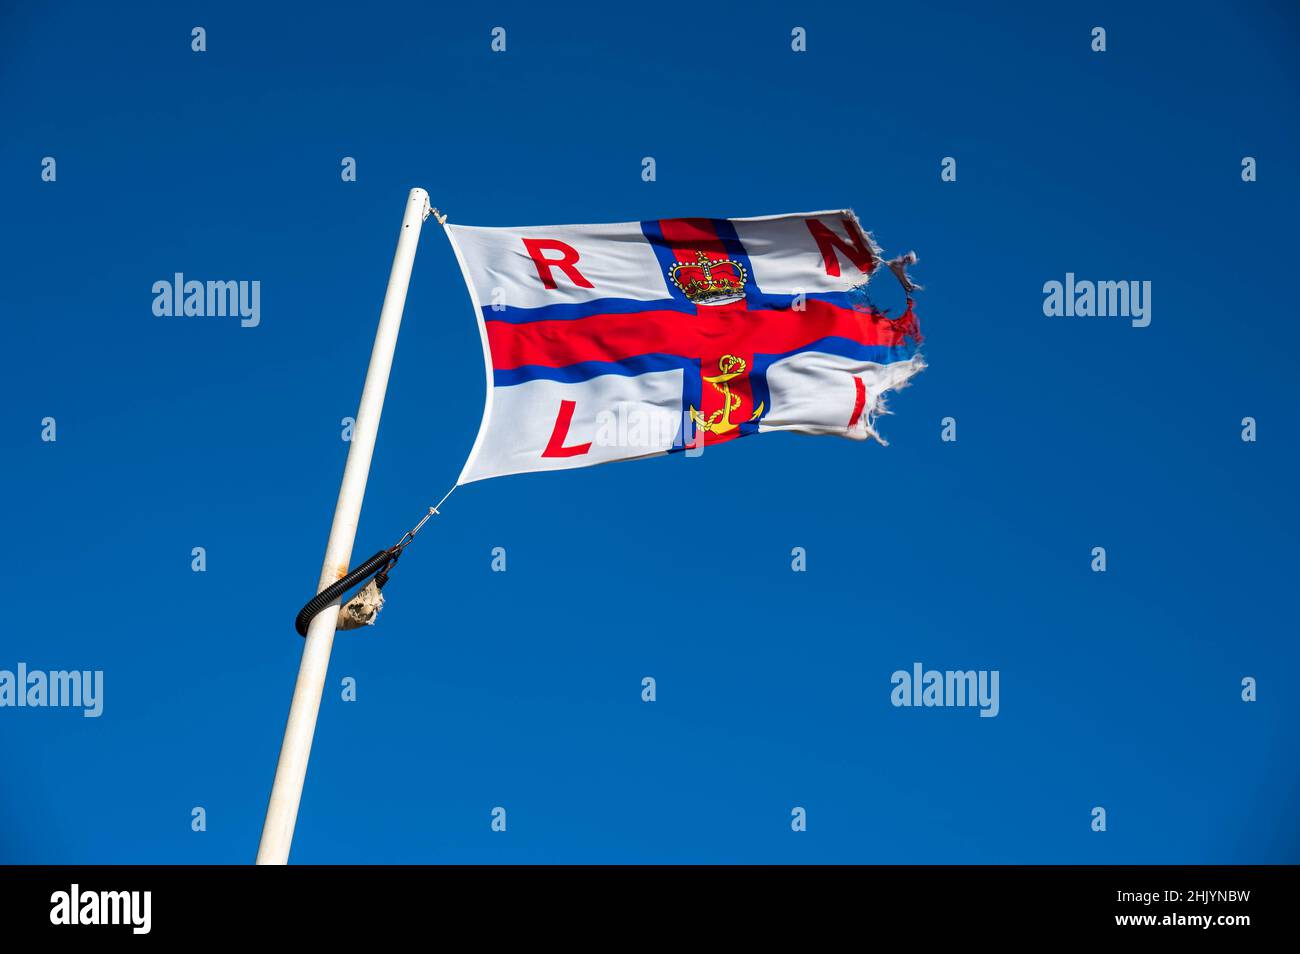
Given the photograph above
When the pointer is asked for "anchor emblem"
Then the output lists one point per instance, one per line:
(720, 422)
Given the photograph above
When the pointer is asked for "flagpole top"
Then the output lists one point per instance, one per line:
(420, 198)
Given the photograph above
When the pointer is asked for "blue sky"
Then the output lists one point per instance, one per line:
(522, 689)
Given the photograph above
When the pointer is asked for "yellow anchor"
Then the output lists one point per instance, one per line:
(720, 422)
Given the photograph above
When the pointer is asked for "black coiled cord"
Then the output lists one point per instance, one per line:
(377, 566)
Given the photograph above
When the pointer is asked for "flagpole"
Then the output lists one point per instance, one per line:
(290, 772)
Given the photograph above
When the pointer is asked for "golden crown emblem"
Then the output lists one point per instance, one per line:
(708, 281)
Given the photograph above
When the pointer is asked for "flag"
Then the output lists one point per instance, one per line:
(619, 341)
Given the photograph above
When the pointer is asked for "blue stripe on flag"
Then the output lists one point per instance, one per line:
(654, 234)
(726, 232)
(646, 363)
(844, 348)
(514, 315)
(756, 301)
(586, 370)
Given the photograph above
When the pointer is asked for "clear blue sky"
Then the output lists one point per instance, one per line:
(481, 689)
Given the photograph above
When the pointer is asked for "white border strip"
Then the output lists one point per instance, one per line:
(487, 354)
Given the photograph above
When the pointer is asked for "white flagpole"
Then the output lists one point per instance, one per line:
(282, 810)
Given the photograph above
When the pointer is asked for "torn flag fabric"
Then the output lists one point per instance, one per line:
(613, 342)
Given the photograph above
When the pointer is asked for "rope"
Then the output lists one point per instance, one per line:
(377, 566)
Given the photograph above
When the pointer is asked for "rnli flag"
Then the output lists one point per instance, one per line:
(613, 342)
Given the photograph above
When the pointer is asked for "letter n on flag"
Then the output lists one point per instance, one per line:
(614, 342)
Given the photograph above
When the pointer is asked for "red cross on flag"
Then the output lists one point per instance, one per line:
(613, 342)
